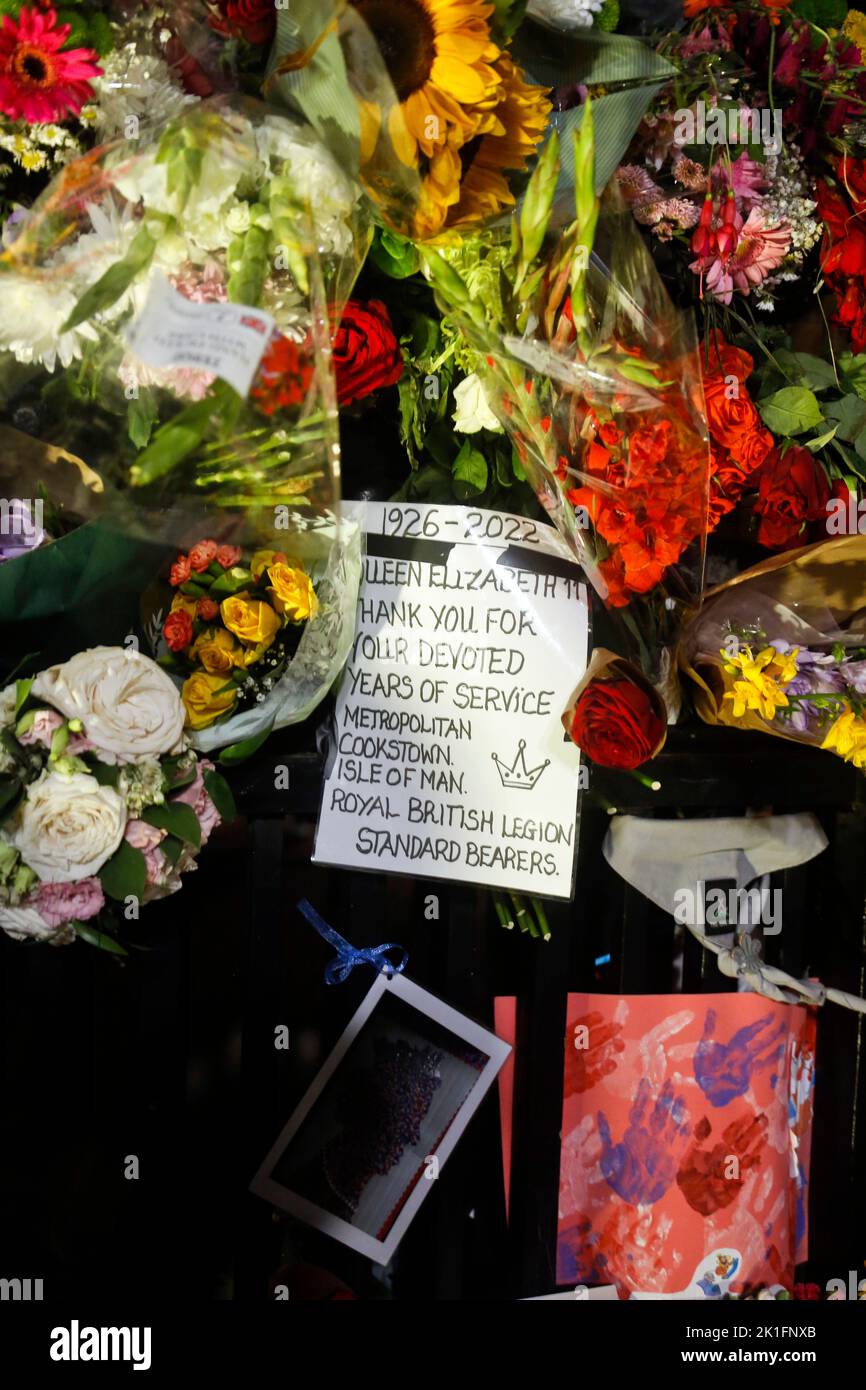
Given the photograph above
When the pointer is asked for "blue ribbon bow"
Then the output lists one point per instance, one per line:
(348, 956)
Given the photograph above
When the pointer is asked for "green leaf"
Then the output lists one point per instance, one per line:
(394, 255)
(177, 818)
(141, 416)
(22, 690)
(793, 410)
(815, 372)
(115, 282)
(853, 369)
(220, 794)
(10, 790)
(97, 938)
(231, 581)
(173, 442)
(239, 752)
(105, 775)
(469, 471)
(850, 412)
(177, 776)
(815, 444)
(172, 848)
(124, 875)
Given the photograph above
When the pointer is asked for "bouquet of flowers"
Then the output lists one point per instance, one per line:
(234, 627)
(782, 648)
(596, 377)
(104, 805)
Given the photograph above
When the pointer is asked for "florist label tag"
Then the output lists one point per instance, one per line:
(450, 759)
(225, 339)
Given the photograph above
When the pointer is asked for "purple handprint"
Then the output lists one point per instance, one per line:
(724, 1070)
(642, 1167)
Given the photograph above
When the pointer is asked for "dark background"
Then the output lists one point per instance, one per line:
(171, 1058)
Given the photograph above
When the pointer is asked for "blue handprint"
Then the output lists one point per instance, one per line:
(724, 1070)
(642, 1167)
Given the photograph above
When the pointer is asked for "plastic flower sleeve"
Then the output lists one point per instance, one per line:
(172, 304)
(253, 623)
(595, 375)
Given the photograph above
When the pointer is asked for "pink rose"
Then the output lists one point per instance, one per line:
(59, 903)
(197, 798)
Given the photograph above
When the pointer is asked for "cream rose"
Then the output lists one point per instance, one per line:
(68, 826)
(129, 707)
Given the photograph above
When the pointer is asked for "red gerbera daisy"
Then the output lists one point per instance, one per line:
(38, 82)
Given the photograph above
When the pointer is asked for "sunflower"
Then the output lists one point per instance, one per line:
(522, 119)
(441, 61)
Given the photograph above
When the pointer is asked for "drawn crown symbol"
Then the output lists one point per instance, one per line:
(519, 775)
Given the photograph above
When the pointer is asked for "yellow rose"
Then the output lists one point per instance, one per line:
(260, 561)
(217, 651)
(183, 603)
(292, 593)
(202, 702)
(250, 619)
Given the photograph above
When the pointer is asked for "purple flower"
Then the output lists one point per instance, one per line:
(21, 528)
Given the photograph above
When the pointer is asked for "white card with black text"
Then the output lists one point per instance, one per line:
(451, 760)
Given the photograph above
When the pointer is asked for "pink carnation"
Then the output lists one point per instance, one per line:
(147, 838)
(59, 903)
(197, 798)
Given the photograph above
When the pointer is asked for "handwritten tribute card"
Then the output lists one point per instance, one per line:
(451, 761)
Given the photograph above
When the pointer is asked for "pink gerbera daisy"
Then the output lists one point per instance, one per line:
(38, 82)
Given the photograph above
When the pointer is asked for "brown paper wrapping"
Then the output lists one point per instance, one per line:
(829, 576)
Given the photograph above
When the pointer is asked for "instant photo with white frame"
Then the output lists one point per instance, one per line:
(361, 1151)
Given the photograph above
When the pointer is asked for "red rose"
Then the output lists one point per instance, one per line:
(616, 724)
(207, 609)
(190, 74)
(750, 450)
(792, 490)
(253, 20)
(202, 554)
(366, 353)
(177, 630)
(180, 571)
(228, 555)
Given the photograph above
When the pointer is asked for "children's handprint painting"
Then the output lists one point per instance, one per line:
(686, 1129)
(691, 1173)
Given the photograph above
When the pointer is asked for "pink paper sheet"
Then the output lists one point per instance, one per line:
(686, 1129)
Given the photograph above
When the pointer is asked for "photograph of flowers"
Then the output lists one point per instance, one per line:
(432, 648)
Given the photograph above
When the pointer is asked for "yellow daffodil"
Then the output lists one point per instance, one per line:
(758, 689)
(847, 737)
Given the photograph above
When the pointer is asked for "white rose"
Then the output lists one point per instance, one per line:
(129, 707)
(473, 412)
(21, 922)
(68, 826)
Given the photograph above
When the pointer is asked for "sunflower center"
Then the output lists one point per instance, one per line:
(405, 35)
(33, 66)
